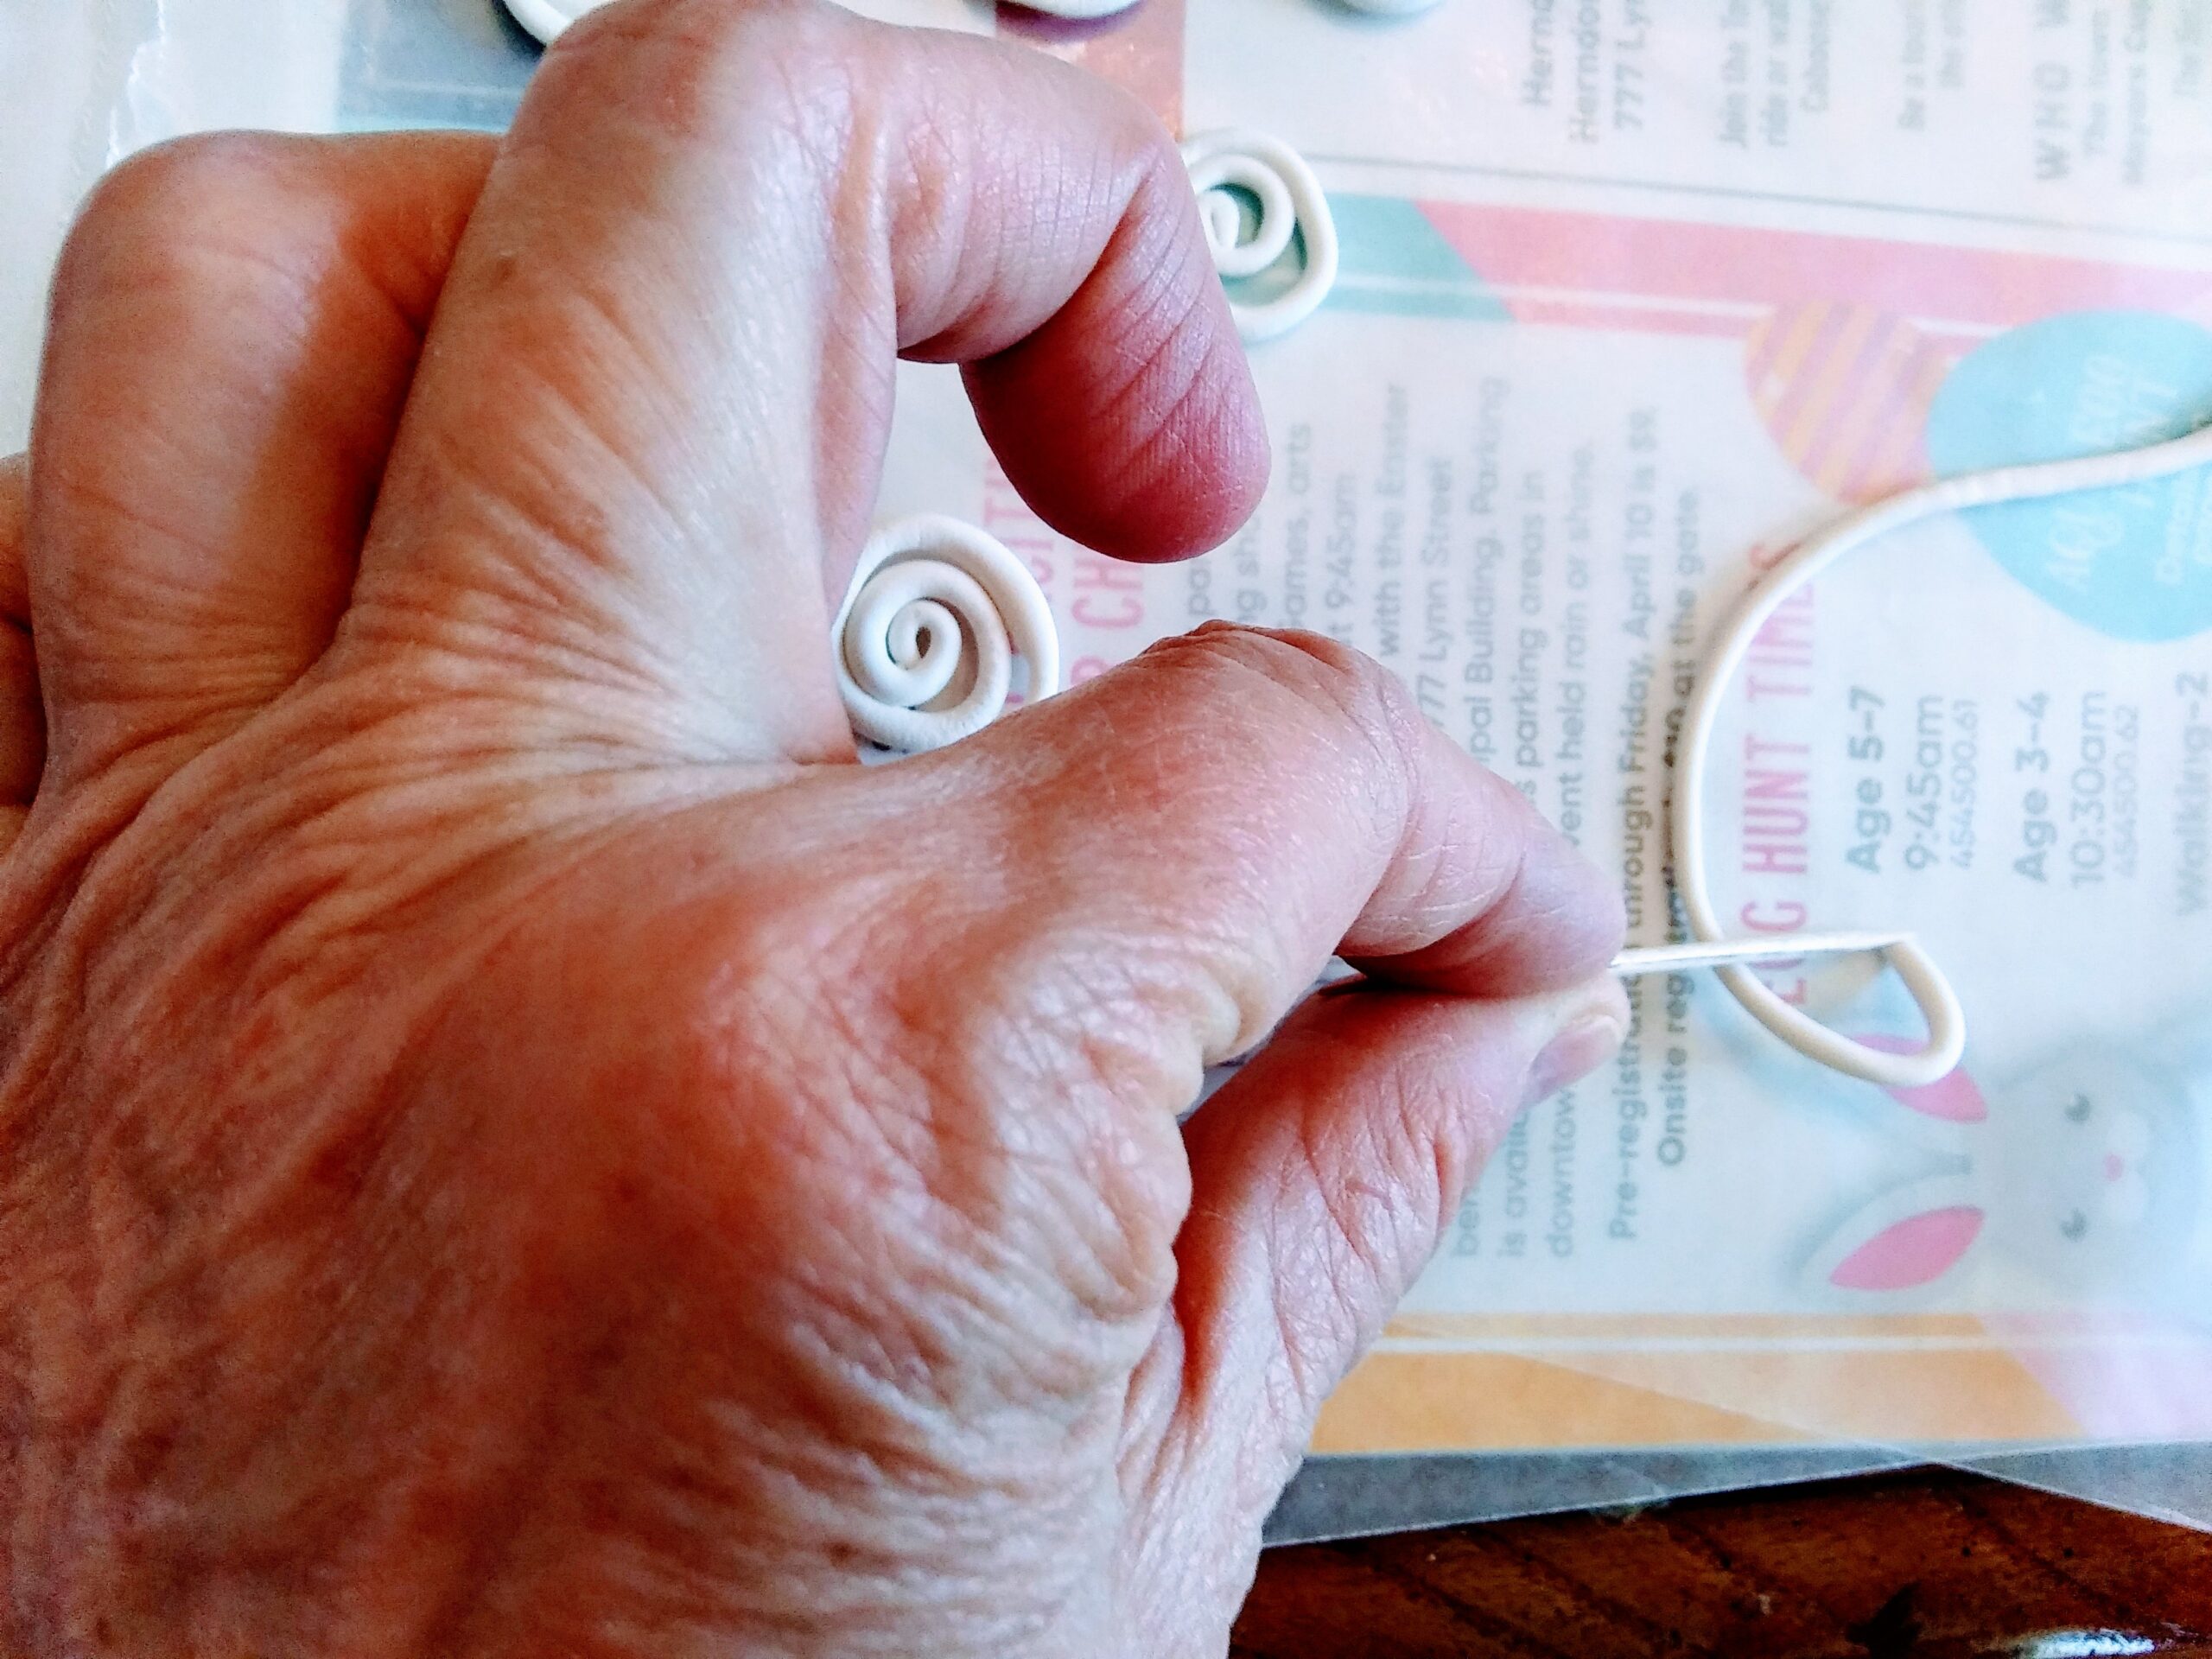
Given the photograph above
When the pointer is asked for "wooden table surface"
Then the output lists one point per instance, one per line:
(1923, 1565)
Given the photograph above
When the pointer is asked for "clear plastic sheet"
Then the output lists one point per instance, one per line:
(1632, 297)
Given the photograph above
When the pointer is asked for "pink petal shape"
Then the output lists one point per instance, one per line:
(1914, 1251)
(1954, 1099)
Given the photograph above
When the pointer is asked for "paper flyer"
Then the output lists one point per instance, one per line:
(1542, 569)
(2009, 117)
(1530, 450)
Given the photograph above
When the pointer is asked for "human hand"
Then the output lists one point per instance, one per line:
(510, 1141)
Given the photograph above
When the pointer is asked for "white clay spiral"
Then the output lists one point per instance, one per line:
(926, 637)
(1291, 202)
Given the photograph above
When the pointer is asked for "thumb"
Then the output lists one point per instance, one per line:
(1323, 1177)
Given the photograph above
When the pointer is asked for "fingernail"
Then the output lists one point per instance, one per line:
(1590, 1033)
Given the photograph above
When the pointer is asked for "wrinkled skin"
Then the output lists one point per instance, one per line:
(511, 1142)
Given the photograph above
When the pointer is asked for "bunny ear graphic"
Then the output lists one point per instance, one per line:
(1955, 1099)
(1902, 1239)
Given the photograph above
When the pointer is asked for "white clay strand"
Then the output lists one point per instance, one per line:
(925, 639)
(1227, 164)
(1938, 1004)
(1635, 963)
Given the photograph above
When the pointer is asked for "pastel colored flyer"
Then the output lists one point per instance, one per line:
(1526, 456)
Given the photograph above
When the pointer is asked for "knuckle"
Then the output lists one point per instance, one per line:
(796, 984)
(195, 235)
(704, 68)
(1319, 672)
(915, 1076)
(153, 206)
(1297, 685)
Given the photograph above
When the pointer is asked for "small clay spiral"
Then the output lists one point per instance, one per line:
(1290, 200)
(926, 637)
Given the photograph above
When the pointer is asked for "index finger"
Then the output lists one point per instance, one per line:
(645, 439)
(1218, 817)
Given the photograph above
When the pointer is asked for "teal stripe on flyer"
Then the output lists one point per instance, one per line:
(1391, 260)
